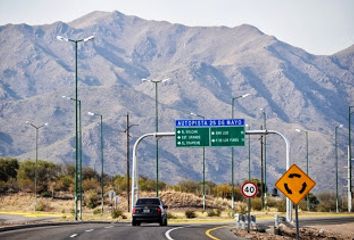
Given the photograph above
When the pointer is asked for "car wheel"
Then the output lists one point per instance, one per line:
(135, 223)
(163, 222)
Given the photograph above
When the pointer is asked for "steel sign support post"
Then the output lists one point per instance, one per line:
(350, 193)
(297, 222)
(307, 167)
(135, 174)
(287, 157)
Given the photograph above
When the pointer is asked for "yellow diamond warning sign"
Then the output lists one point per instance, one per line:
(295, 184)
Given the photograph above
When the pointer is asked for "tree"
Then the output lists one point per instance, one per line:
(223, 190)
(8, 168)
(46, 172)
(188, 186)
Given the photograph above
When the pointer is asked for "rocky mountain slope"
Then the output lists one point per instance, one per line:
(207, 66)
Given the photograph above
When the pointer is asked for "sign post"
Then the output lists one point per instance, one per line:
(249, 190)
(295, 184)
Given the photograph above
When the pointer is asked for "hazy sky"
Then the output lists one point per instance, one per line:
(318, 26)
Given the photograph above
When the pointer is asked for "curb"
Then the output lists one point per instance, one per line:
(17, 227)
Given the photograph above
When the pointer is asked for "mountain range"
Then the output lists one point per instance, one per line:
(206, 67)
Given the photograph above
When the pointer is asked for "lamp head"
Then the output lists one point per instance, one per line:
(89, 38)
(60, 38)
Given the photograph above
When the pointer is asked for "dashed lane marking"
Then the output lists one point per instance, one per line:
(74, 235)
(89, 230)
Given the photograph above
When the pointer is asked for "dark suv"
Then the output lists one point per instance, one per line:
(149, 210)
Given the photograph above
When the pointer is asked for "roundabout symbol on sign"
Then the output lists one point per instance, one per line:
(249, 189)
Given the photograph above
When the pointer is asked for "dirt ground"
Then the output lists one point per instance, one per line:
(333, 232)
(346, 230)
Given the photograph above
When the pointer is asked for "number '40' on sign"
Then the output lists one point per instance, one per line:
(249, 189)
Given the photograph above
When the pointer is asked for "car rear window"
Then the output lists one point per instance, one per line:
(153, 201)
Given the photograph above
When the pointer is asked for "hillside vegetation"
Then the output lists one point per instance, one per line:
(55, 188)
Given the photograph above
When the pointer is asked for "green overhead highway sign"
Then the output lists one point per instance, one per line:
(192, 137)
(227, 136)
(210, 133)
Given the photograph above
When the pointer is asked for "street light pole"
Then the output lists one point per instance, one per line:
(80, 188)
(265, 159)
(249, 154)
(156, 127)
(307, 161)
(232, 153)
(76, 41)
(204, 194)
(350, 194)
(101, 137)
(36, 162)
(336, 153)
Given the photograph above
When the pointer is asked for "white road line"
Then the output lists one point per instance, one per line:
(89, 230)
(74, 235)
(108, 227)
(167, 234)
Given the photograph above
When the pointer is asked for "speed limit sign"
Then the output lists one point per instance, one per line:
(249, 189)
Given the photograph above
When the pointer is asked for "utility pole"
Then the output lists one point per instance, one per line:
(262, 168)
(128, 167)
(350, 194)
(336, 155)
(128, 126)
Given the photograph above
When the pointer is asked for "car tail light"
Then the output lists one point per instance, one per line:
(134, 210)
(158, 210)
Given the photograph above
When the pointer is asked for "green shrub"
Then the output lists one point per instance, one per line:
(327, 202)
(190, 214)
(41, 206)
(116, 213)
(241, 208)
(281, 206)
(92, 199)
(214, 213)
(256, 204)
(97, 211)
(171, 216)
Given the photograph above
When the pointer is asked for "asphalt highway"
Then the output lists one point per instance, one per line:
(124, 231)
(118, 231)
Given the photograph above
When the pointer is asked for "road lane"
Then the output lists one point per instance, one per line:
(117, 231)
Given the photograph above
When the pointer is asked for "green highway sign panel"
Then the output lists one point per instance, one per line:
(192, 137)
(227, 136)
(210, 133)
